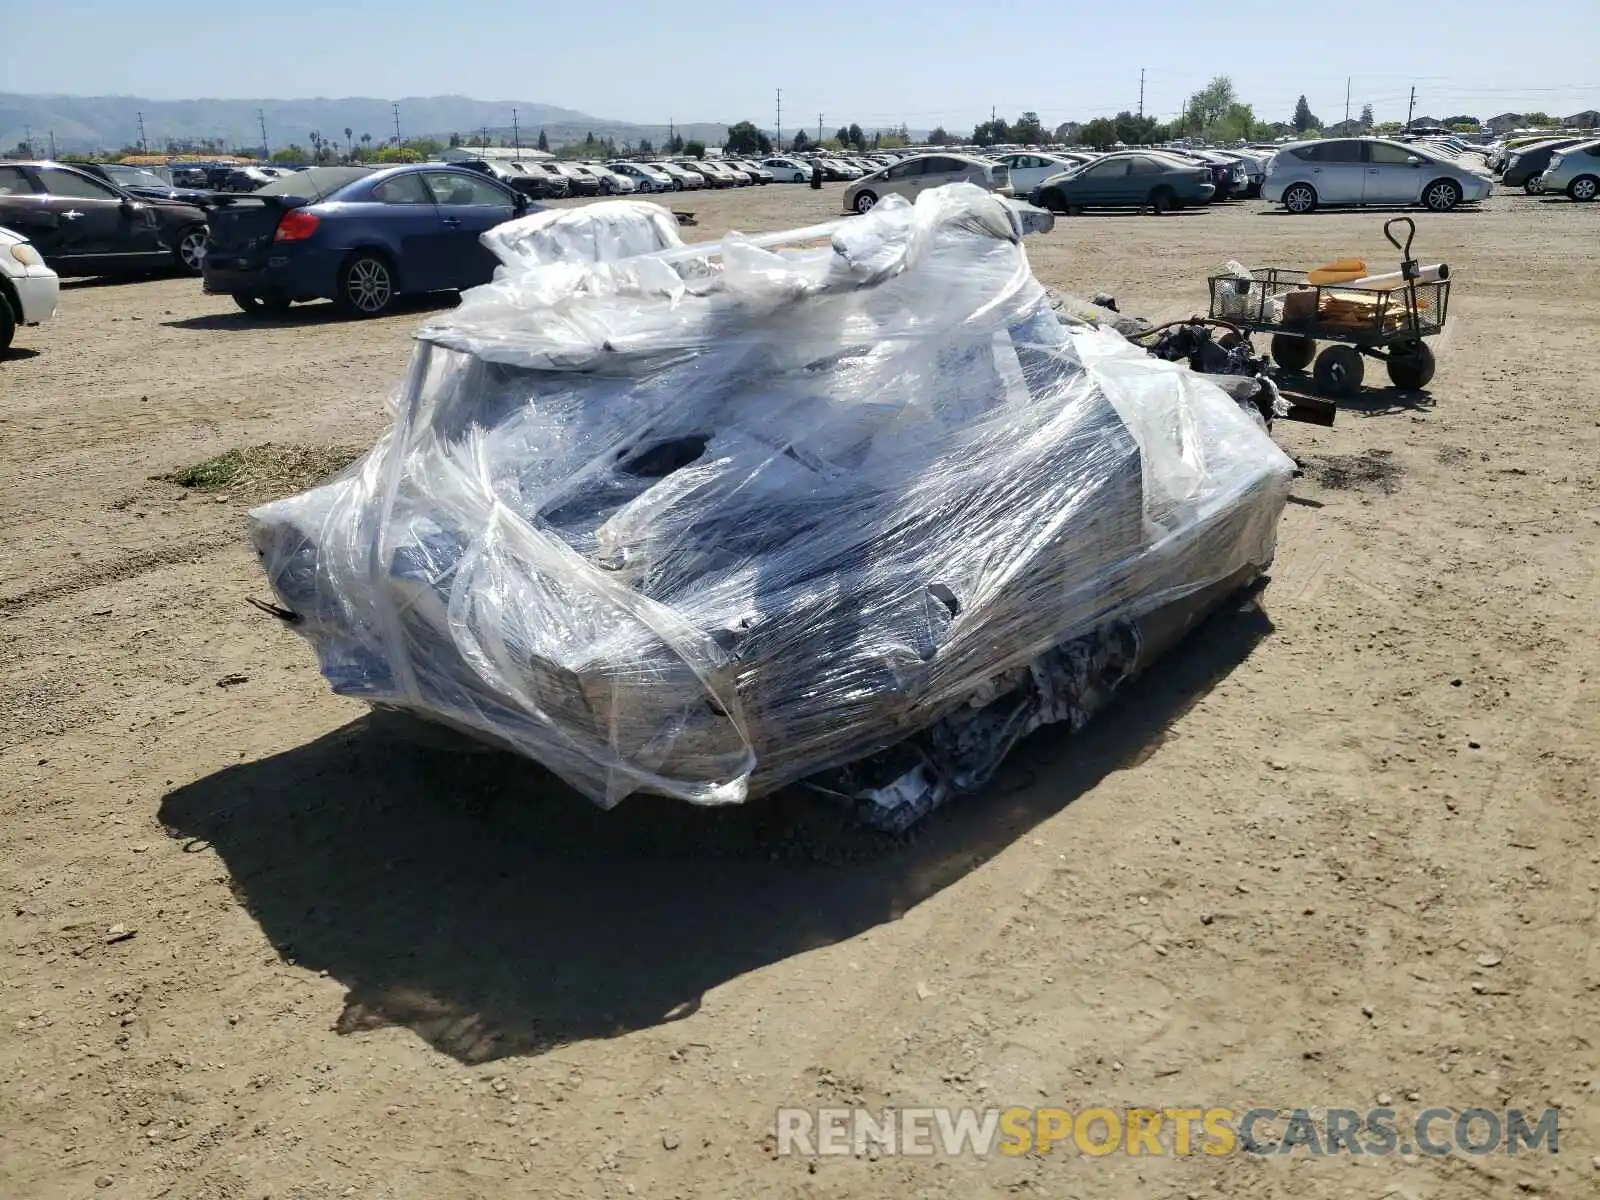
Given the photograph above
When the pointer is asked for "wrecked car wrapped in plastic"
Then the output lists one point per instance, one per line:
(706, 520)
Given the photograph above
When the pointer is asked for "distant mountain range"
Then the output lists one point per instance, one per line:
(88, 123)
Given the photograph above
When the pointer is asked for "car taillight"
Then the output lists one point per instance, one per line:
(296, 226)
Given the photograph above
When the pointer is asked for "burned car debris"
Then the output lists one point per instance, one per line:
(709, 520)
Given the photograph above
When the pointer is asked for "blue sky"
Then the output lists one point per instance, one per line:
(881, 62)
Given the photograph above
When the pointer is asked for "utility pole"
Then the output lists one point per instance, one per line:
(1411, 108)
(516, 134)
(1141, 91)
(28, 141)
(1347, 99)
(777, 128)
(261, 116)
(52, 143)
(396, 108)
(142, 144)
(819, 130)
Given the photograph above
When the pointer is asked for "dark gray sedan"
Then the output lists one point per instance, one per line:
(1134, 179)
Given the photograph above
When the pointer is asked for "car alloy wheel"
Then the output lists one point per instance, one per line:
(1584, 188)
(1442, 196)
(865, 202)
(192, 249)
(368, 286)
(1300, 199)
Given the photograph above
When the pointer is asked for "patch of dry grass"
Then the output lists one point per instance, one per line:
(270, 469)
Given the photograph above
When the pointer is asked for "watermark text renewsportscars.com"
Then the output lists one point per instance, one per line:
(1167, 1131)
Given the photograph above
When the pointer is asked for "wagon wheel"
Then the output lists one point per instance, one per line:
(1411, 365)
(1292, 353)
(1339, 371)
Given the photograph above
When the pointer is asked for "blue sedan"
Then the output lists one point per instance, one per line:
(359, 237)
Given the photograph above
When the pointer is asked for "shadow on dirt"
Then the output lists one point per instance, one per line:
(1368, 402)
(318, 313)
(473, 898)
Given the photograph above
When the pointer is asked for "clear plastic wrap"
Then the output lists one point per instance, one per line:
(703, 521)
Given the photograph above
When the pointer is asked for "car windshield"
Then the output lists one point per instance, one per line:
(314, 183)
(135, 176)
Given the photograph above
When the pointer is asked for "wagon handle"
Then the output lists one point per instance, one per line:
(1408, 265)
(1408, 269)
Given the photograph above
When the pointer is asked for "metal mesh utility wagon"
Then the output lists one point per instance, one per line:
(1386, 321)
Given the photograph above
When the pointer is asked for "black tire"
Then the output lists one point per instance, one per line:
(8, 325)
(1411, 366)
(1074, 210)
(1161, 201)
(677, 185)
(262, 306)
(1441, 196)
(1300, 198)
(865, 201)
(1293, 353)
(1339, 371)
(1584, 188)
(190, 249)
(1053, 201)
(367, 285)
(1533, 187)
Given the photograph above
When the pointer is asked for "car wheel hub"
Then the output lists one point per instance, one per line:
(1442, 196)
(369, 286)
(1585, 188)
(192, 249)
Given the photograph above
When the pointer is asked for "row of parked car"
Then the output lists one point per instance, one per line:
(556, 179)
(547, 179)
(1545, 163)
(1159, 178)
(365, 237)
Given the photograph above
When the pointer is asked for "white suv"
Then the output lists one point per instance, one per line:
(28, 289)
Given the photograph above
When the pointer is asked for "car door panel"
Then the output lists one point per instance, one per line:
(468, 207)
(24, 209)
(96, 226)
(1103, 183)
(1390, 177)
(1339, 172)
(402, 215)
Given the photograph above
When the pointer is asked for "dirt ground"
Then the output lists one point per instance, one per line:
(1340, 849)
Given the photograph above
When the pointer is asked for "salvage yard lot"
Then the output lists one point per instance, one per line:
(1339, 850)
